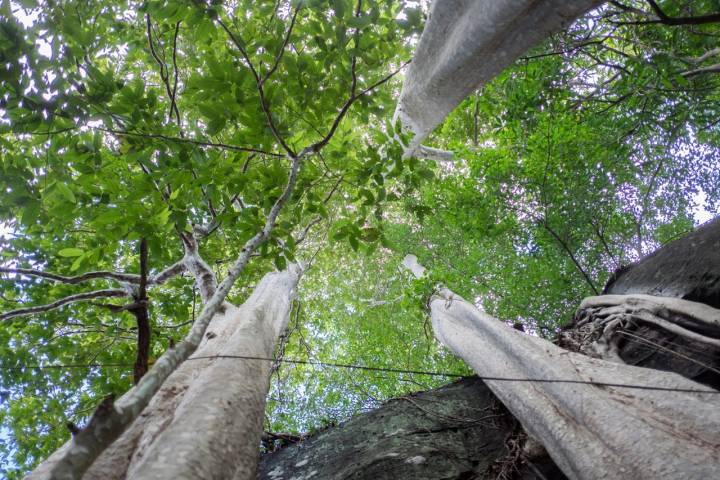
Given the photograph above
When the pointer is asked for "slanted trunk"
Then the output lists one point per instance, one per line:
(590, 425)
(588, 419)
(206, 421)
(466, 43)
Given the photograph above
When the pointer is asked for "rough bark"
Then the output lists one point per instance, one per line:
(596, 429)
(466, 43)
(202, 422)
(459, 431)
(687, 269)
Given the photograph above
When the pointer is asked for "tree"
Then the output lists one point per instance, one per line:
(159, 173)
(114, 160)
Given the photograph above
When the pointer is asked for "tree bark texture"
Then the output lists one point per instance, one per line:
(687, 269)
(458, 432)
(465, 43)
(591, 431)
(206, 420)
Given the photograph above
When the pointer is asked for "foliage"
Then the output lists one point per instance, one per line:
(580, 158)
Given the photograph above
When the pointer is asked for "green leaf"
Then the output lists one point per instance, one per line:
(65, 192)
(70, 252)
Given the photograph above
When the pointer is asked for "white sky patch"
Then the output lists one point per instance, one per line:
(700, 213)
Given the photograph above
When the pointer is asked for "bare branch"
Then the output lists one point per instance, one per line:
(78, 297)
(173, 97)
(306, 230)
(204, 276)
(664, 19)
(160, 278)
(200, 143)
(170, 272)
(700, 71)
(570, 253)
(101, 274)
(430, 153)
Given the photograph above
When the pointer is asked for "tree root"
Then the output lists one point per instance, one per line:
(599, 320)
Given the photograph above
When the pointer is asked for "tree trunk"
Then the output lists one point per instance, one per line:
(206, 421)
(460, 431)
(466, 43)
(588, 419)
(591, 425)
(687, 269)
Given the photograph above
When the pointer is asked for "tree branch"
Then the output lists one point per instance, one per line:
(78, 297)
(160, 278)
(259, 83)
(702, 70)
(280, 54)
(101, 274)
(664, 19)
(204, 276)
(170, 272)
(316, 147)
(200, 143)
(566, 247)
(140, 311)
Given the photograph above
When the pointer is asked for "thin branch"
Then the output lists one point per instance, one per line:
(334, 189)
(164, 74)
(78, 297)
(259, 83)
(343, 111)
(160, 278)
(664, 19)
(306, 230)
(173, 97)
(101, 274)
(567, 249)
(280, 54)
(701, 71)
(200, 143)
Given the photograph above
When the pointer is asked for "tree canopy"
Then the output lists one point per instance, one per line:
(162, 123)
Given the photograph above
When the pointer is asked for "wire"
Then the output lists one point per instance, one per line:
(390, 370)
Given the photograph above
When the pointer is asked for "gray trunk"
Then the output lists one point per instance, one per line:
(458, 432)
(206, 420)
(465, 43)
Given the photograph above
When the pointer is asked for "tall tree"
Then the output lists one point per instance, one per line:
(221, 134)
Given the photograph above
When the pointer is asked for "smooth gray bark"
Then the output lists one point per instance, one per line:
(206, 419)
(466, 43)
(590, 431)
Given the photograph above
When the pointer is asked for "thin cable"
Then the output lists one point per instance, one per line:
(390, 370)
(649, 343)
(457, 375)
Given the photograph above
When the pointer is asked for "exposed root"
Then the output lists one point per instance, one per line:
(599, 320)
(508, 466)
